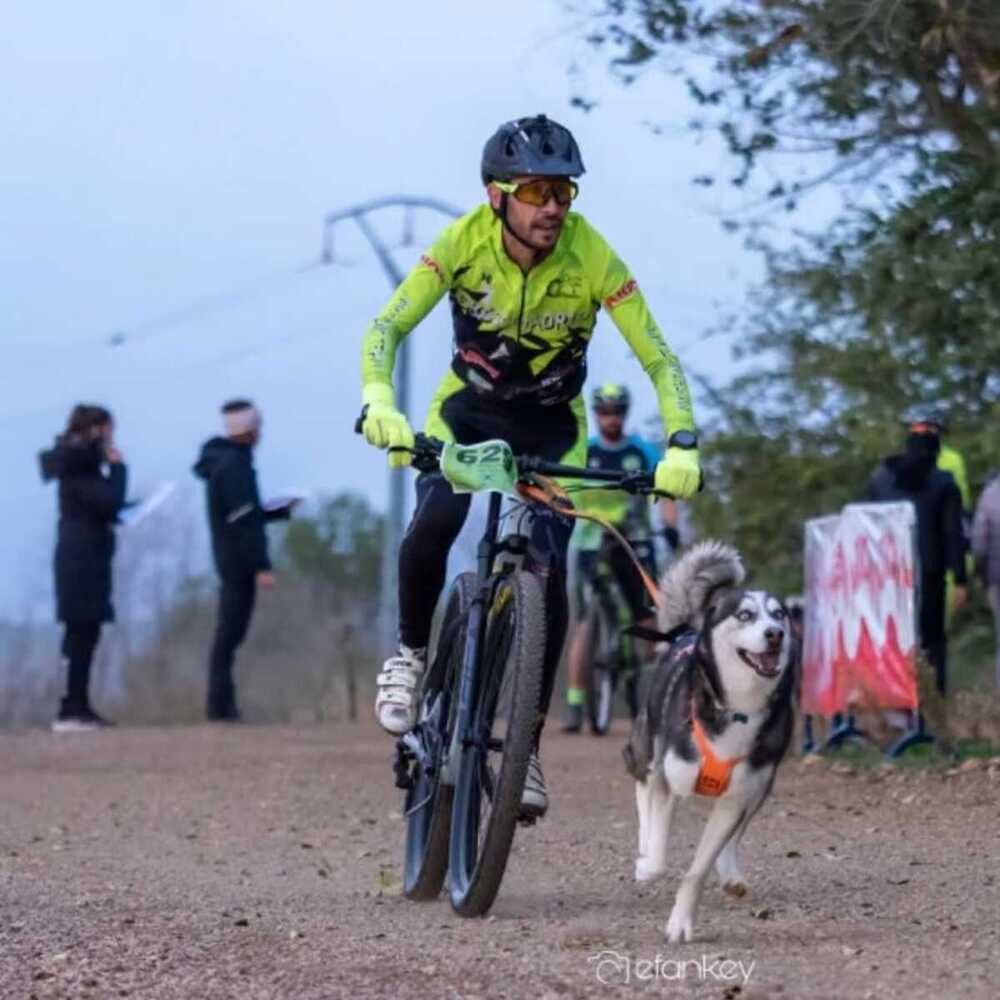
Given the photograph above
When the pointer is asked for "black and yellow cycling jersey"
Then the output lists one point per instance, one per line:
(520, 338)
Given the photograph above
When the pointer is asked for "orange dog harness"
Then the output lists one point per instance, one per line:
(713, 778)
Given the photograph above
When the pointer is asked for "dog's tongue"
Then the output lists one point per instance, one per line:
(769, 661)
(765, 663)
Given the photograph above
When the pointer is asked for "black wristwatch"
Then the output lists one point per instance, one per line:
(683, 439)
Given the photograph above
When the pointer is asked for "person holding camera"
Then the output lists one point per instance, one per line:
(91, 474)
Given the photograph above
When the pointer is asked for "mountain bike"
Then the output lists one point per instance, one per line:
(611, 655)
(464, 764)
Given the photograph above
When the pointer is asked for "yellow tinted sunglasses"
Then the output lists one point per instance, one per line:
(538, 192)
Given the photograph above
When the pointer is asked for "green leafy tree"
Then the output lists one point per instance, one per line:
(867, 82)
(899, 300)
(339, 548)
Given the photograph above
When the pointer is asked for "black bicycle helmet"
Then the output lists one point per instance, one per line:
(612, 394)
(531, 147)
(930, 414)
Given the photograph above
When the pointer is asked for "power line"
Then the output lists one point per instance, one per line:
(174, 320)
(216, 362)
(205, 306)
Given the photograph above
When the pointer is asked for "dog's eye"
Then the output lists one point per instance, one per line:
(744, 616)
(778, 614)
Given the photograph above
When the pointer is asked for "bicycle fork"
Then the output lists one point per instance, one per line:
(475, 637)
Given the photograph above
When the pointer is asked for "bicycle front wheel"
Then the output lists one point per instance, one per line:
(601, 679)
(499, 743)
(429, 802)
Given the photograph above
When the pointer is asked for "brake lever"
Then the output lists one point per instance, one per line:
(652, 491)
(638, 484)
(426, 451)
(359, 424)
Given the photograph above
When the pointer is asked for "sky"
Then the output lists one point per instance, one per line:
(167, 170)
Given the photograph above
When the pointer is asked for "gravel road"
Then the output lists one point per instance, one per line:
(260, 862)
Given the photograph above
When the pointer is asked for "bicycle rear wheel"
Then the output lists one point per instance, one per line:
(601, 679)
(428, 802)
(494, 760)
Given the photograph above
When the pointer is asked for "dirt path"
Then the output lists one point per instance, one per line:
(262, 862)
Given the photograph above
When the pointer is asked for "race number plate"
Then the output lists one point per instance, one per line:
(479, 468)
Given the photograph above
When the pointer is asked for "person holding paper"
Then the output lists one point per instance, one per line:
(236, 519)
(91, 475)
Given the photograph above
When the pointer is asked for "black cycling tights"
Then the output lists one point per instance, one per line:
(423, 564)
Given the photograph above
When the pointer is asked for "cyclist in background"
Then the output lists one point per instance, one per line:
(526, 278)
(611, 448)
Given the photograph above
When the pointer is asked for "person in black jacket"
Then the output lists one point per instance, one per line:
(90, 500)
(239, 544)
(913, 475)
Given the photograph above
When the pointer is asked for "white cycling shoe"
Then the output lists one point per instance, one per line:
(398, 687)
(535, 797)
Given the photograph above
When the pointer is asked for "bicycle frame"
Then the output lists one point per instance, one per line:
(475, 634)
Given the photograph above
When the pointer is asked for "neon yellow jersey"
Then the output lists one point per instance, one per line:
(523, 337)
(952, 461)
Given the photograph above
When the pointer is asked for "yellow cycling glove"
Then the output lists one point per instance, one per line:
(384, 426)
(679, 473)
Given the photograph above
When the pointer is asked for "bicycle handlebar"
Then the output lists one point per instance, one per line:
(426, 452)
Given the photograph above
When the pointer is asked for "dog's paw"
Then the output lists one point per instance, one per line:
(646, 871)
(680, 926)
(736, 888)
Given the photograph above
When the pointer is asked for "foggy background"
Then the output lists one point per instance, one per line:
(167, 169)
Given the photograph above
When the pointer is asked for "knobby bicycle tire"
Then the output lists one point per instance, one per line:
(601, 677)
(509, 692)
(428, 803)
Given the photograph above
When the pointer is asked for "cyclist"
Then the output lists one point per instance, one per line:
(612, 449)
(526, 278)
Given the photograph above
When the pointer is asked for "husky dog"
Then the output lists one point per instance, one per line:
(717, 721)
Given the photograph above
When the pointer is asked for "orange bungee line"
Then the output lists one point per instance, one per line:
(548, 492)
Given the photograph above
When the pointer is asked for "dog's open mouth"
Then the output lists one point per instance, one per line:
(765, 664)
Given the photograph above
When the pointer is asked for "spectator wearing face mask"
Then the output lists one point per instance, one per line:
(913, 475)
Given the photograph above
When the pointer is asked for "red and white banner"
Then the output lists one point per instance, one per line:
(860, 619)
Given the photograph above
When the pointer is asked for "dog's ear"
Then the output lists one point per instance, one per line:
(705, 619)
(720, 602)
(725, 601)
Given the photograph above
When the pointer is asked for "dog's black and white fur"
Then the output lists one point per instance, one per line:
(732, 660)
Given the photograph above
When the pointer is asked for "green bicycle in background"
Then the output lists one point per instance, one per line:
(612, 659)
